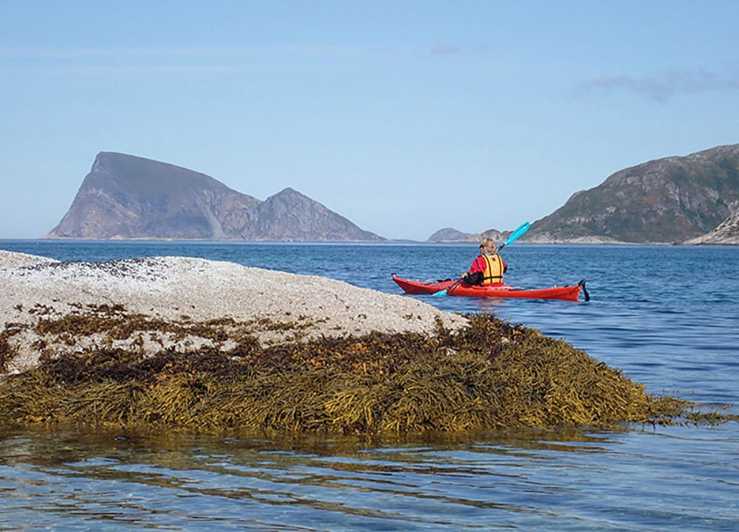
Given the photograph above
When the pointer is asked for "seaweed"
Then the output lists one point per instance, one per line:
(490, 375)
(118, 324)
(7, 351)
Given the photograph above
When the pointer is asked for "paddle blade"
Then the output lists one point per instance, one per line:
(442, 293)
(518, 233)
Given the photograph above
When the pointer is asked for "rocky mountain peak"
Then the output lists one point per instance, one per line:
(289, 191)
(126, 196)
(664, 200)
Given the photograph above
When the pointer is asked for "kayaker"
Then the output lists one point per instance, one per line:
(488, 268)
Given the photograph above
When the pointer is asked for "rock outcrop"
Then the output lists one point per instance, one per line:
(667, 200)
(126, 197)
(178, 302)
(726, 233)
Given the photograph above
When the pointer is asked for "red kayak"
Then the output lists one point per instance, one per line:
(566, 293)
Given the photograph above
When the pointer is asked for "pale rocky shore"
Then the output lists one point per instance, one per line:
(726, 233)
(183, 303)
(546, 238)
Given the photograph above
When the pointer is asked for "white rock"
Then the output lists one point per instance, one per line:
(170, 287)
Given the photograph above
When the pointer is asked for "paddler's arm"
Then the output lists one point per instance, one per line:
(478, 265)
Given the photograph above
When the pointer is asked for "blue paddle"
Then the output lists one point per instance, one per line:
(515, 235)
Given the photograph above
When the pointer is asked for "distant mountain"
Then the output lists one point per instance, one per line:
(290, 215)
(727, 232)
(496, 235)
(125, 196)
(667, 200)
(449, 235)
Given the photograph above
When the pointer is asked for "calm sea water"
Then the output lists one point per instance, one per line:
(668, 316)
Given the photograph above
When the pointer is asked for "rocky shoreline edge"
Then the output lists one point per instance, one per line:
(179, 343)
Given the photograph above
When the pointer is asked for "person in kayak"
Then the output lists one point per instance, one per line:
(488, 268)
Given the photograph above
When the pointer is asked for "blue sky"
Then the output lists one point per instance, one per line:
(404, 116)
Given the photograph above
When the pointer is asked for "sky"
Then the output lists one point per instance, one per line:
(405, 117)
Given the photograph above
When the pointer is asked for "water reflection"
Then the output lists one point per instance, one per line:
(150, 481)
(488, 481)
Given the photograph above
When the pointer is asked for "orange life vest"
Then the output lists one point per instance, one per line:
(494, 270)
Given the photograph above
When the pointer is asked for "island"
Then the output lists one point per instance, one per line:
(129, 197)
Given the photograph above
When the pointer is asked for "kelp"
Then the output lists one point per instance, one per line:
(118, 324)
(7, 350)
(490, 375)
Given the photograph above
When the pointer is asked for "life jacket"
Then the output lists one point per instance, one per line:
(494, 270)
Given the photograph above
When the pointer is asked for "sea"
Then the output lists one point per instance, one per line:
(667, 316)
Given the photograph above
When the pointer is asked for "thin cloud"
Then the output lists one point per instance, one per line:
(205, 52)
(664, 86)
(445, 49)
(172, 59)
(142, 69)
(94, 53)
(119, 60)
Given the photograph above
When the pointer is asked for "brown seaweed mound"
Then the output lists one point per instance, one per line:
(489, 375)
(7, 351)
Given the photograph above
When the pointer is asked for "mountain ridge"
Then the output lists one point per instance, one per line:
(130, 197)
(672, 199)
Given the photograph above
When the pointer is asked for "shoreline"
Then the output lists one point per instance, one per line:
(398, 243)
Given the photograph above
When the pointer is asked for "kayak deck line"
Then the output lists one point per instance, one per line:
(564, 293)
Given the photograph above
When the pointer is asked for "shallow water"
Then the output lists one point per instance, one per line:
(667, 315)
